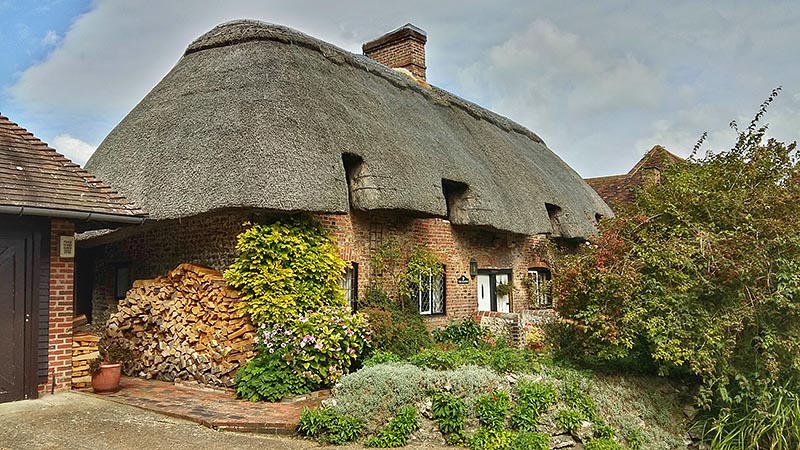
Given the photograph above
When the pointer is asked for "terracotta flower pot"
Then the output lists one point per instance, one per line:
(107, 379)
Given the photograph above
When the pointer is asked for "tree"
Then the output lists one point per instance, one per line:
(701, 275)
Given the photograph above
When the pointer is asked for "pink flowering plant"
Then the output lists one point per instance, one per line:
(321, 345)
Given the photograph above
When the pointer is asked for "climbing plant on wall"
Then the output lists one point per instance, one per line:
(285, 268)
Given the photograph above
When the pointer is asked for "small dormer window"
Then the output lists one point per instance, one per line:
(455, 196)
(554, 212)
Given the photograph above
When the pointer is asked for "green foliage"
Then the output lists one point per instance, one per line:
(701, 276)
(635, 438)
(503, 289)
(492, 409)
(530, 440)
(604, 443)
(269, 378)
(501, 359)
(532, 400)
(464, 333)
(448, 411)
(575, 397)
(773, 421)
(491, 439)
(394, 328)
(286, 268)
(374, 393)
(422, 266)
(321, 345)
(570, 419)
(328, 426)
(602, 429)
(381, 357)
(396, 433)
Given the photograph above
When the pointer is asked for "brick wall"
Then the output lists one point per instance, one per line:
(209, 240)
(360, 234)
(62, 276)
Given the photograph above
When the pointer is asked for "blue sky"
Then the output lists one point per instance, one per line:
(601, 82)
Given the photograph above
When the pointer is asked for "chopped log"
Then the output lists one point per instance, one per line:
(185, 325)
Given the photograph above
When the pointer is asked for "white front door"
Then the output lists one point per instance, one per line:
(484, 292)
(502, 302)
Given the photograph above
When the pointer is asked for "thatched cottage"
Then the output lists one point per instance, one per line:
(44, 199)
(258, 118)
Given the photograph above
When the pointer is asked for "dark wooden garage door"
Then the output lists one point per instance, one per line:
(13, 295)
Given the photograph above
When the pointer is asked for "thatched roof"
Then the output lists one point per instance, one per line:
(256, 115)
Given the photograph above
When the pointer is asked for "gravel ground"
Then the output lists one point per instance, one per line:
(75, 421)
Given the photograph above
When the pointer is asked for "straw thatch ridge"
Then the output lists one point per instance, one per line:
(259, 116)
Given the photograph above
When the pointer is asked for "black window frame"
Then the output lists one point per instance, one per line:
(352, 299)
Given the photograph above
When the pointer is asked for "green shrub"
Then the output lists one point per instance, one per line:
(381, 357)
(773, 422)
(467, 332)
(438, 359)
(528, 440)
(570, 419)
(492, 409)
(269, 378)
(635, 438)
(575, 397)
(501, 359)
(602, 430)
(605, 443)
(286, 268)
(328, 426)
(396, 433)
(321, 345)
(491, 439)
(511, 359)
(395, 327)
(448, 411)
(533, 399)
(702, 273)
(375, 393)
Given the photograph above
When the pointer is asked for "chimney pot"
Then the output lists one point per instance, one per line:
(402, 48)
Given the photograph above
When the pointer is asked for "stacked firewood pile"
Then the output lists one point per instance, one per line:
(84, 350)
(184, 326)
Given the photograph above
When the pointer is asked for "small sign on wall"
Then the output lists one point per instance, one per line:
(462, 280)
(66, 248)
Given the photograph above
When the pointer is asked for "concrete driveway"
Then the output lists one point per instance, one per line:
(80, 421)
(77, 421)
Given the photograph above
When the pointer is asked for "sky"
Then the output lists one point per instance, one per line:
(601, 82)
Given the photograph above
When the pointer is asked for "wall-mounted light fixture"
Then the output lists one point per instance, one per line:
(473, 267)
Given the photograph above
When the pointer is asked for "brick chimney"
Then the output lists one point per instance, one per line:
(403, 48)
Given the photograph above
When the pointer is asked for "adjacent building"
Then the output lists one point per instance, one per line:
(44, 199)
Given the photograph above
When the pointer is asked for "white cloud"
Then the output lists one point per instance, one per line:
(73, 148)
(601, 83)
(50, 38)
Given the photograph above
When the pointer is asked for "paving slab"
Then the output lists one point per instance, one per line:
(218, 409)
